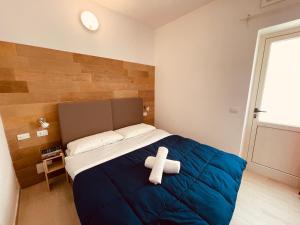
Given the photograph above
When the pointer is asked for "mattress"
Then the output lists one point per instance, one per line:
(117, 191)
(80, 162)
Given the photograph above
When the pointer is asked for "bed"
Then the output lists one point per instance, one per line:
(110, 183)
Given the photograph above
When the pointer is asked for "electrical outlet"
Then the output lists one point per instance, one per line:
(42, 133)
(23, 136)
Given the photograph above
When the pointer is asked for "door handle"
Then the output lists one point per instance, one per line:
(257, 110)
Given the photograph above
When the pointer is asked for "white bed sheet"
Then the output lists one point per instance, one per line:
(80, 162)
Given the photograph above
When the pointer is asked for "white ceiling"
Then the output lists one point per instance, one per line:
(153, 13)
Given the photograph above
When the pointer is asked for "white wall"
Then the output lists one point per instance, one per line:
(203, 68)
(55, 24)
(8, 182)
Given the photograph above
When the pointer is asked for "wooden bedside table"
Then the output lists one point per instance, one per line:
(53, 167)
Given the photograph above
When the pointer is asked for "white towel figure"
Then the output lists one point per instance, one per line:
(171, 166)
(158, 167)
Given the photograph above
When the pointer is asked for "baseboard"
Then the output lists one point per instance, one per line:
(17, 207)
(274, 174)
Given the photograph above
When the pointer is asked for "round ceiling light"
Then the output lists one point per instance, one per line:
(89, 20)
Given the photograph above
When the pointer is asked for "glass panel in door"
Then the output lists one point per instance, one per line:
(281, 91)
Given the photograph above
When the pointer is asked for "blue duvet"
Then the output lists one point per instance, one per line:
(118, 192)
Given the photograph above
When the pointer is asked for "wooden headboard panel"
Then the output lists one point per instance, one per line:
(34, 80)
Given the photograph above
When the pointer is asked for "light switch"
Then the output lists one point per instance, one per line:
(42, 133)
(23, 136)
(233, 110)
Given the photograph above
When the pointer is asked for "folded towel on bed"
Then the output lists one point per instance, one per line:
(158, 167)
(171, 166)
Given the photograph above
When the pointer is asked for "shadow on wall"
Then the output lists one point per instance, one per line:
(9, 191)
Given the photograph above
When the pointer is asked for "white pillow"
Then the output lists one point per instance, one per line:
(135, 130)
(94, 141)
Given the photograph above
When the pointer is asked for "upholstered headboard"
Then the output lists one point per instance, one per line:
(81, 119)
(126, 112)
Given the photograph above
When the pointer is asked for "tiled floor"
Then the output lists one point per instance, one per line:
(261, 201)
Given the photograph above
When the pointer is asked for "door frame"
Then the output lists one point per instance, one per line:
(260, 51)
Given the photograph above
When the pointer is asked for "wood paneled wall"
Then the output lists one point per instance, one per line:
(34, 80)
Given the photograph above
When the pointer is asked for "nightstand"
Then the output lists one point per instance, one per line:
(54, 166)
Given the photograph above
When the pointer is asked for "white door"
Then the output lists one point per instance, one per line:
(275, 134)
